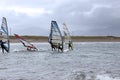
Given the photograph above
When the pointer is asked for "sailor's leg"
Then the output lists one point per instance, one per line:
(58, 49)
(52, 48)
(69, 47)
(61, 49)
(72, 48)
(2, 50)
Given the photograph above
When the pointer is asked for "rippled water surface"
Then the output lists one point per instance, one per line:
(88, 61)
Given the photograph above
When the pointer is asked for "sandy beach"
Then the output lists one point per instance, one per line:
(74, 39)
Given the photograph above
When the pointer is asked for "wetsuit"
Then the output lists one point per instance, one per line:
(2, 46)
(70, 45)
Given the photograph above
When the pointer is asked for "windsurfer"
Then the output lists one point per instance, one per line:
(53, 46)
(70, 45)
(60, 47)
(31, 48)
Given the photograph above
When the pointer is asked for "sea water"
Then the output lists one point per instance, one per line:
(88, 61)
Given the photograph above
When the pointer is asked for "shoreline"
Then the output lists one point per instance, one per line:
(74, 39)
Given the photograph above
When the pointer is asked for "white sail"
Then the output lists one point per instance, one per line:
(67, 37)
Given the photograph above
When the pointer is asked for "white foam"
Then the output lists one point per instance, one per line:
(19, 50)
(66, 50)
(105, 77)
(16, 50)
(90, 76)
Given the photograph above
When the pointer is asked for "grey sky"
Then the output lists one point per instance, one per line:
(83, 17)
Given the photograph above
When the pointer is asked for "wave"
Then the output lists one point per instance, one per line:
(90, 76)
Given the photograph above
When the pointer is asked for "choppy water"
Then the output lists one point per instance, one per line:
(88, 61)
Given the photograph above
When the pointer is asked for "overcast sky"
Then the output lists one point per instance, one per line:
(83, 17)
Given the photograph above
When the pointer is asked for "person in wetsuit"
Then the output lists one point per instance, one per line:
(30, 48)
(2, 45)
(70, 45)
(60, 47)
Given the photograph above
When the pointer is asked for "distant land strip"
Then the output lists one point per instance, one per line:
(74, 38)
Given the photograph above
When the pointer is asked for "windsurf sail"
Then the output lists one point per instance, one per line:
(4, 34)
(67, 37)
(55, 36)
(25, 43)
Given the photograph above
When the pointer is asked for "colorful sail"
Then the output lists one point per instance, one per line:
(67, 37)
(55, 36)
(25, 43)
(5, 35)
